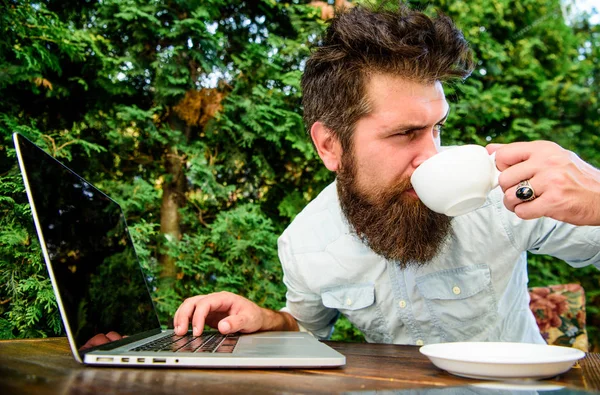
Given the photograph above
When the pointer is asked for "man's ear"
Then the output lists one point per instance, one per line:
(328, 146)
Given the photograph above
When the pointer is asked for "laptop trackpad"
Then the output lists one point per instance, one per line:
(288, 341)
(273, 344)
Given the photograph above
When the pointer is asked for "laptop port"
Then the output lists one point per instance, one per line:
(124, 359)
(141, 359)
(104, 359)
(159, 360)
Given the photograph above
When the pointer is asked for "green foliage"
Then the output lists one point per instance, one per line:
(345, 331)
(236, 254)
(199, 103)
(27, 304)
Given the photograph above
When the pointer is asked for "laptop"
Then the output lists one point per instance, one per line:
(100, 286)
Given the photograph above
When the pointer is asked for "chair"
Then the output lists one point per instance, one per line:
(559, 311)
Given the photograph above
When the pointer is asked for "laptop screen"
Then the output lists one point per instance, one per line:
(99, 279)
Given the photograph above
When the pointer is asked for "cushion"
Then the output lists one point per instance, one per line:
(559, 311)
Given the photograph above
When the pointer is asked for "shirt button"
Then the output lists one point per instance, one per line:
(456, 290)
(402, 304)
(420, 342)
(348, 302)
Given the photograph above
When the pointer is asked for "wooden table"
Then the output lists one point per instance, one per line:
(46, 366)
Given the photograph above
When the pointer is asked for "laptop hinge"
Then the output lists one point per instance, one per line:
(123, 341)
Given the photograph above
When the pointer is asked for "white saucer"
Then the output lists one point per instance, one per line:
(502, 361)
(518, 386)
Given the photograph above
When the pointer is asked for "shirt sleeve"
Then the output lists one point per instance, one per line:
(304, 304)
(579, 246)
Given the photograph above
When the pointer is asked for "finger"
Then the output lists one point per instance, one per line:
(513, 175)
(491, 148)
(97, 340)
(198, 320)
(511, 154)
(512, 202)
(214, 318)
(225, 326)
(112, 336)
(244, 323)
(532, 209)
(233, 323)
(220, 302)
(181, 320)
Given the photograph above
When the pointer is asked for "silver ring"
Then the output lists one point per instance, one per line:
(525, 191)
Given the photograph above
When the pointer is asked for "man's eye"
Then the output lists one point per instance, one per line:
(404, 133)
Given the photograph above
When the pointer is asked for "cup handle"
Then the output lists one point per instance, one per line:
(496, 175)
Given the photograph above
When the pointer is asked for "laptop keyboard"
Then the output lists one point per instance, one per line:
(212, 342)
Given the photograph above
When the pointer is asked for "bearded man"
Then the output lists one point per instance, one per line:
(367, 247)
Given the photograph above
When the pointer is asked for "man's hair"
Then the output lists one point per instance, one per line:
(365, 41)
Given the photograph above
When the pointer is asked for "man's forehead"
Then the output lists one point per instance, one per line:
(394, 100)
(384, 85)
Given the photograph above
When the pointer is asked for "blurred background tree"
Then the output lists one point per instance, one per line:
(188, 114)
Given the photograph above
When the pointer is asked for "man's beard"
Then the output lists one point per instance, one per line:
(394, 225)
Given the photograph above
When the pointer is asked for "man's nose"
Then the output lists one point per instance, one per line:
(427, 149)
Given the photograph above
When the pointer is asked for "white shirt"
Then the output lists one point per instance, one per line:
(474, 290)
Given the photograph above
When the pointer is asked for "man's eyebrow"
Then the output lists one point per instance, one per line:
(445, 116)
(421, 126)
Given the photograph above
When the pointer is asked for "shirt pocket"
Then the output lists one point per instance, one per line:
(461, 301)
(358, 304)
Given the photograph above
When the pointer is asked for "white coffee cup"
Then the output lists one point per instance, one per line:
(457, 180)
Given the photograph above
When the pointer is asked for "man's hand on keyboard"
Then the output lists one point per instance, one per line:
(229, 313)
